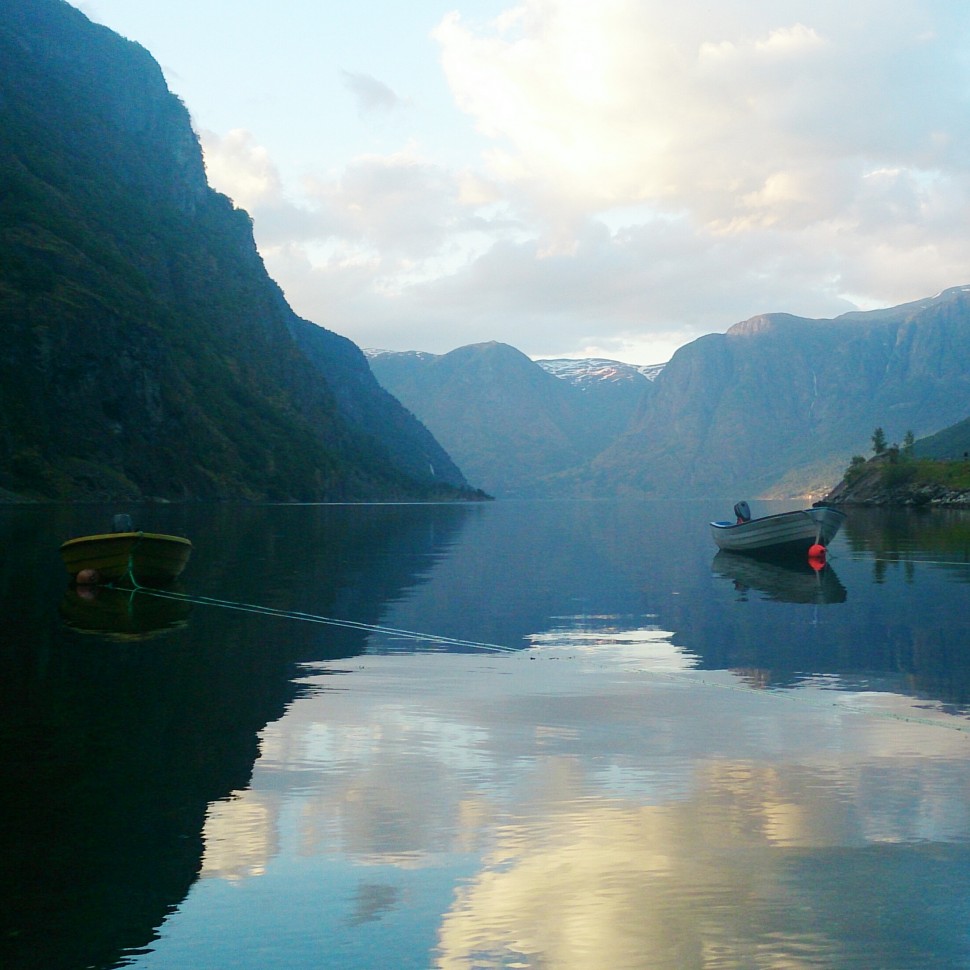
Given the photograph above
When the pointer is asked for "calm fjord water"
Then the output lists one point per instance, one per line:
(655, 757)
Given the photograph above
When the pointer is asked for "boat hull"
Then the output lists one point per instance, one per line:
(787, 534)
(145, 557)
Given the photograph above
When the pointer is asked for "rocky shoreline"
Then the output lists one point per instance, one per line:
(869, 488)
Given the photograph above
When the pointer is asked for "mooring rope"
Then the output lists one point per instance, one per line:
(915, 562)
(685, 677)
(315, 618)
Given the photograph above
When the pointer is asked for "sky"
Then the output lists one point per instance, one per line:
(576, 178)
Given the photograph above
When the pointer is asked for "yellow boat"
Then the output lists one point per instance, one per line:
(144, 558)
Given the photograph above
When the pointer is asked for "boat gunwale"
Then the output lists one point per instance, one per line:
(788, 533)
(116, 536)
(725, 525)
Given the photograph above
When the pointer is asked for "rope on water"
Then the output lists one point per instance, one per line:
(314, 618)
(915, 562)
(682, 677)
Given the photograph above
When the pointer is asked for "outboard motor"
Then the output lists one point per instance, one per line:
(742, 511)
(122, 523)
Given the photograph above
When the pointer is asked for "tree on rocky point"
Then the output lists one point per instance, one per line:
(878, 441)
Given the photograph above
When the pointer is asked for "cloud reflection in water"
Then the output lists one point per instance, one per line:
(613, 807)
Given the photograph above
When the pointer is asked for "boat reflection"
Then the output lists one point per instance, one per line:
(789, 581)
(122, 614)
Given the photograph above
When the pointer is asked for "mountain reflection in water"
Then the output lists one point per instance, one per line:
(224, 789)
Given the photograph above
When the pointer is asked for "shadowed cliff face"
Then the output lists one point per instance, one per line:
(145, 349)
(372, 410)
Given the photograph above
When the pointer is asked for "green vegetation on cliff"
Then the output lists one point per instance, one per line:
(898, 476)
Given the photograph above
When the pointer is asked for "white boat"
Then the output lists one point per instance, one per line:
(788, 533)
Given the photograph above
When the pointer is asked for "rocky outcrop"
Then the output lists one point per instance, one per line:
(887, 481)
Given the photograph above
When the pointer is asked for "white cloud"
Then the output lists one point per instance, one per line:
(241, 168)
(399, 203)
(647, 172)
(609, 104)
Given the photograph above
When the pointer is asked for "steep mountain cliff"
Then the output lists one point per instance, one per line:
(370, 409)
(145, 351)
(778, 404)
(509, 422)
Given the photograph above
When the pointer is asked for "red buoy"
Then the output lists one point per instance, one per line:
(816, 556)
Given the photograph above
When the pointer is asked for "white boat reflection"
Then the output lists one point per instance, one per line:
(791, 581)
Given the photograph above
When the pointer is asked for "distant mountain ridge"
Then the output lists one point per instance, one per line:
(782, 402)
(509, 422)
(774, 407)
(949, 443)
(145, 350)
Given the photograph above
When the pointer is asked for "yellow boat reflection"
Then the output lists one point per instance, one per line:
(121, 614)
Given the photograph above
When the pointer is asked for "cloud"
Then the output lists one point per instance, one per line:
(399, 204)
(618, 294)
(646, 173)
(371, 94)
(238, 166)
(618, 103)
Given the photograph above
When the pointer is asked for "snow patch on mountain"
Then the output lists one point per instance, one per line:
(595, 370)
(370, 352)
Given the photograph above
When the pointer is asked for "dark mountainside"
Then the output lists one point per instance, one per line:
(508, 422)
(370, 409)
(775, 407)
(146, 352)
